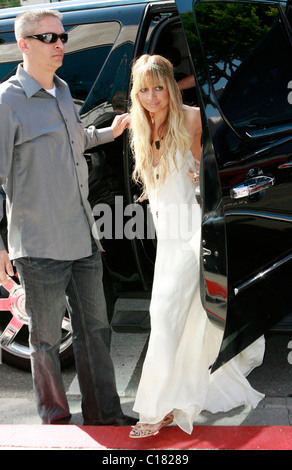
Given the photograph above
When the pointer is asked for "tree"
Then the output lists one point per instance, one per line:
(229, 32)
(9, 3)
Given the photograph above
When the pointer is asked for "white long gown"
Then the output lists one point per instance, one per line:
(183, 342)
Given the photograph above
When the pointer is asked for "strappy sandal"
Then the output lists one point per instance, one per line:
(141, 430)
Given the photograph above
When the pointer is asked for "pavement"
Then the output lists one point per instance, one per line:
(268, 427)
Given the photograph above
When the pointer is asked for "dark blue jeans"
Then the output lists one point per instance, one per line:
(50, 286)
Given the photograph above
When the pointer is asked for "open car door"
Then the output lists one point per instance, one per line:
(241, 52)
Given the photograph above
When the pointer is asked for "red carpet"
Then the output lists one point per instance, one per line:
(103, 438)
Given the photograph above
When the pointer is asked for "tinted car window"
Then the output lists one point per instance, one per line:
(248, 55)
(86, 52)
(112, 80)
(10, 55)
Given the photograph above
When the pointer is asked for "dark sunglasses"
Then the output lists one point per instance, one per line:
(50, 38)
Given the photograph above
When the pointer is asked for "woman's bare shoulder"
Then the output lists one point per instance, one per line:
(192, 111)
(193, 117)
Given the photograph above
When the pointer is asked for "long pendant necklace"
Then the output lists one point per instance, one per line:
(156, 168)
(157, 144)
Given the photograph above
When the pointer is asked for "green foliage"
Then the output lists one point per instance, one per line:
(9, 3)
(229, 31)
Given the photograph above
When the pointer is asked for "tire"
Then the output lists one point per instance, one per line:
(14, 337)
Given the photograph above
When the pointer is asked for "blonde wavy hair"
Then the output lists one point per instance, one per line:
(149, 71)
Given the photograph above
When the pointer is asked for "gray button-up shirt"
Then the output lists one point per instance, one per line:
(44, 172)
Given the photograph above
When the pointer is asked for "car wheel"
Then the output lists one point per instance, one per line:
(14, 337)
(14, 330)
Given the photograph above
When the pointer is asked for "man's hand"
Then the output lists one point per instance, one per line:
(6, 268)
(120, 123)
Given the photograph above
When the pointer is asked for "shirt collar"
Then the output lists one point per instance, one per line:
(30, 85)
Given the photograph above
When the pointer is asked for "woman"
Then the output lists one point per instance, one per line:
(176, 383)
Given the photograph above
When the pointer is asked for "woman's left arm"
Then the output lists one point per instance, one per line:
(194, 126)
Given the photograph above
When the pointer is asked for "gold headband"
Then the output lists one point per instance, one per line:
(158, 68)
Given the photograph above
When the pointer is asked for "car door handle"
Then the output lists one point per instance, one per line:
(251, 186)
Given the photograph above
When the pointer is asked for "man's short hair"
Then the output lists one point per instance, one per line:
(27, 21)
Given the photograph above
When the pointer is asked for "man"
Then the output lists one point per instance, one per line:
(49, 223)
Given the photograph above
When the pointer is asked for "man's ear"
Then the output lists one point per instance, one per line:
(22, 44)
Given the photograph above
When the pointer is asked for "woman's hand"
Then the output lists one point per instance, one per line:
(193, 176)
(142, 198)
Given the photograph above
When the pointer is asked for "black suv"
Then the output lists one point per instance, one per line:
(239, 54)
